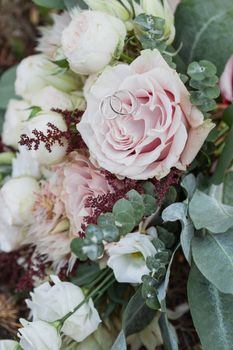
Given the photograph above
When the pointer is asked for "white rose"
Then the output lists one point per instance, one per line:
(37, 71)
(8, 345)
(39, 335)
(91, 41)
(25, 165)
(18, 197)
(17, 112)
(40, 123)
(53, 303)
(49, 97)
(127, 257)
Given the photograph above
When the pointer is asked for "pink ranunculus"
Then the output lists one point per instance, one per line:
(60, 209)
(153, 127)
(226, 82)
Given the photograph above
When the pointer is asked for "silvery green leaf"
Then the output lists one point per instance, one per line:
(162, 290)
(207, 212)
(179, 211)
(211, 311)
(189, 183)
(227, 189)
(213, 255)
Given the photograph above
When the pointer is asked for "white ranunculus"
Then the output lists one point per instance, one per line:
(18, 197)
(52, 303)
(127, 257)
(25, 165)
(17, 112)
(8, 345)
(40, 123)
(49, 97)
(39, 335)
(37, 71)
(92, 40)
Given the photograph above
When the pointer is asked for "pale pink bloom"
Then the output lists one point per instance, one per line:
(226, 81)
(50, 40)
(157, 127)
(60, 209)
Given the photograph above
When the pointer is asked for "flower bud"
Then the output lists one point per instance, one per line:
(17, 112)
(40, 123)
(157, 9)
(92, 40)
(37, 71)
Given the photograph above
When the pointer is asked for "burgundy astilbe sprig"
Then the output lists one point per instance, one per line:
(54, 135)
(162, 186)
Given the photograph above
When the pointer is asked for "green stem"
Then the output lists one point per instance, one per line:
(126, 58)
(99, 278)
(92, 294)
(99, 295)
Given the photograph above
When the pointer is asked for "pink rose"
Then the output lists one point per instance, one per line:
(154, 127)
(60, 208)
(226, 82)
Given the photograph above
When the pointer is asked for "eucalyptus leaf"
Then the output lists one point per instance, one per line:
(7, 86)
(137, 314)
(211, 312)
(213, 255)
(207, 212)
(120, 343)
(227, 189)
(179, 211)
(204, 27)
(150, 204)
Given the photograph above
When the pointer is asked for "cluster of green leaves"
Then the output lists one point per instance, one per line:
(61, 4)
(150, 31)
(157, 267)
(125, 216)
(205, 82)
(206, 217)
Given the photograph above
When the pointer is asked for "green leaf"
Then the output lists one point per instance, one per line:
(189, 183)
(168, 333)
(213, 255)
(137, 203)
(2, 115)
(205, 30)
(123, 206)
(70, 4)
(207, 212)
(85, 274)
(227, 154)
(124, 222)
(94, 234)
(106, 220)
(179, 211)
(211, 312)
(111, 233)
(34, 111)
(149, 188)
(167, 237)
(150, 204)
(7, 86)
(120, 343)
(137, 314)
(76, 247)
(56, 4)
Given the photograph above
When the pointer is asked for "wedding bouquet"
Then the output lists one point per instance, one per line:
(116, 156)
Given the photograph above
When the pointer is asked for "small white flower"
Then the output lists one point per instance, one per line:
(17, 112)
(25, 165)
(127, 257)
(8, 345)
(18, 196)
(39, 335)
(37, 71)
(52, 303)
(40, 123)
(92, 40)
